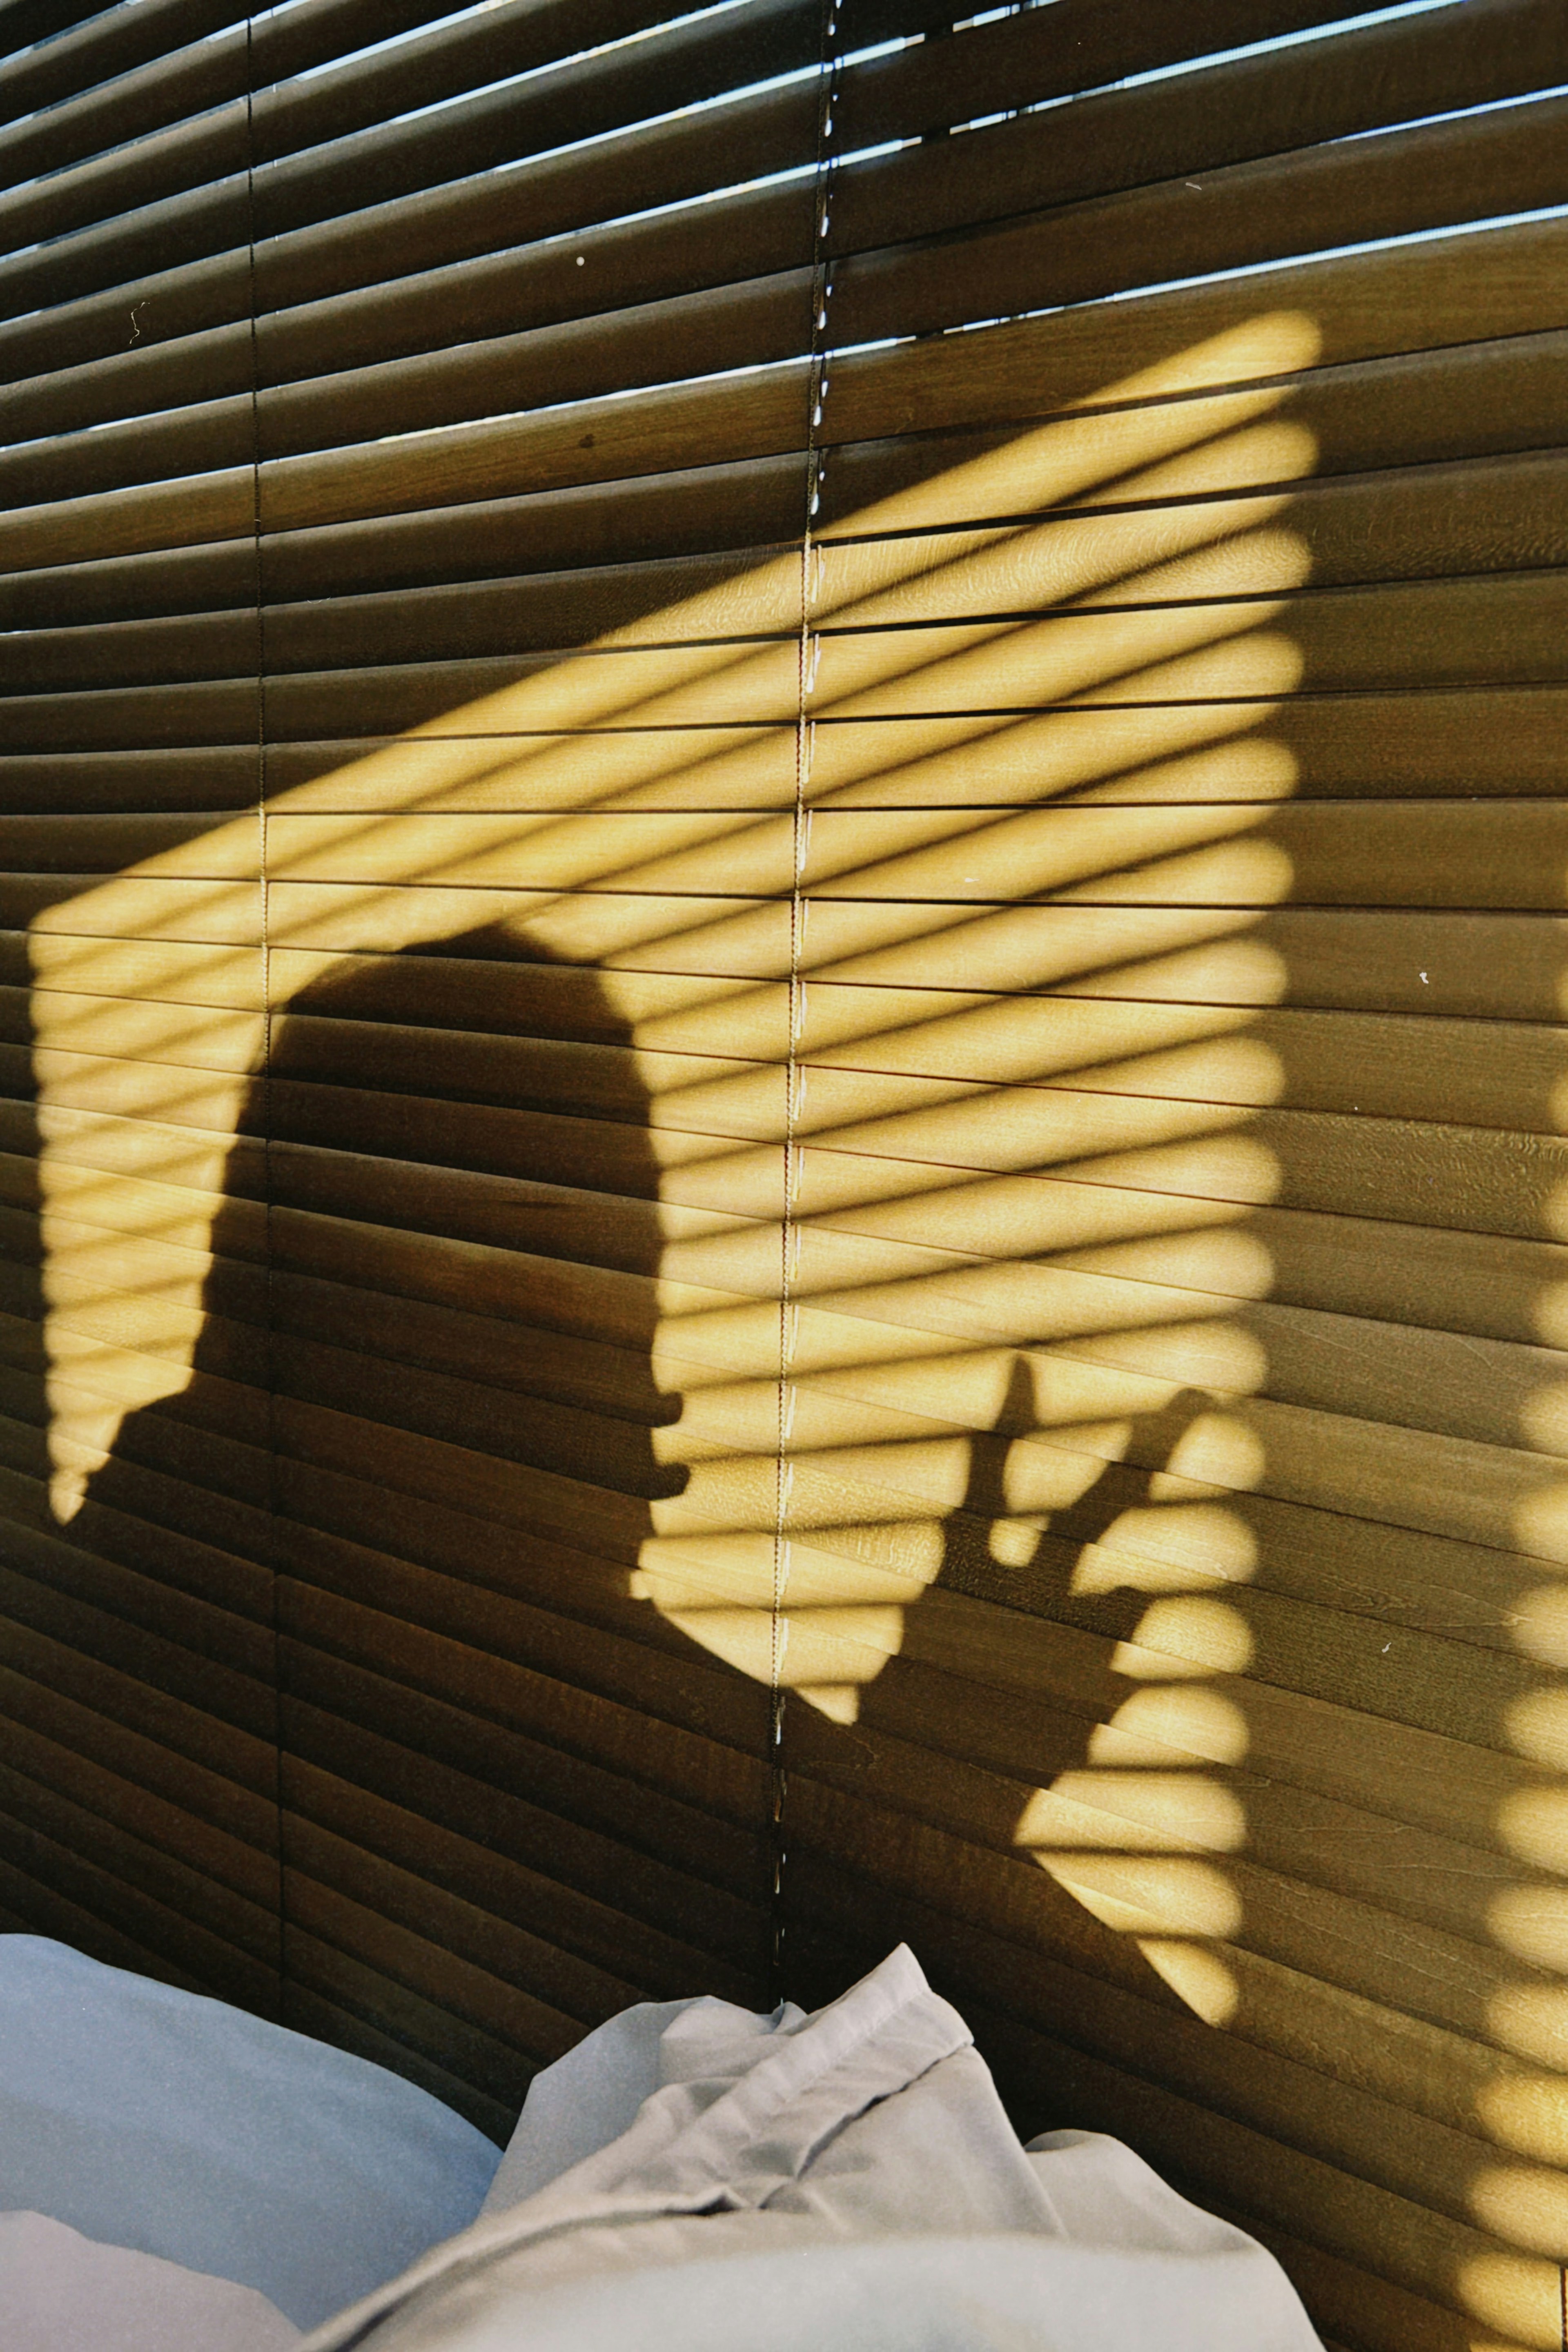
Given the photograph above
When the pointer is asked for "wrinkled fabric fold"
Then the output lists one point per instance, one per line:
(847, 2178)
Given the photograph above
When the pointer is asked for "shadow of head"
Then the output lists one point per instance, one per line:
(447, 1165)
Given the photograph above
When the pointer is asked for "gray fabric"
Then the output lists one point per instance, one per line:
(591, 2095)
(840, 2183)
(156, 2119)
(893, 2295)
(60, 2291)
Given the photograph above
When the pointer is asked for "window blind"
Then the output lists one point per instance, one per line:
(783, 936)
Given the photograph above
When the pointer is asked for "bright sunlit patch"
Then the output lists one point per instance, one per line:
(1533, 1824)
(1543, 1418)
(1173, 1716)
(1531, 2020)
(1234, 1168)
(1541, 1522)
(1205, 1537)
(1196, 1974)
(1098, 1568)
(1199, 1636)
(1147, 1813)
(1528, 2113)
(843, 1644)
(1014, 1543)
(1540, 1624)
(1525, 2205)
(1522, 2299)
(1550, 1311)
(1537, 1726)
(840, 1702)
(1230, 971)
(1034, 752)
(1216, 1445)
(1531, 1922)
(1147, 1894)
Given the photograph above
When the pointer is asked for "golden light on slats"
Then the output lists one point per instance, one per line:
(1527, 2112)
(927, 890)
(178, 1049)
(859, 1130)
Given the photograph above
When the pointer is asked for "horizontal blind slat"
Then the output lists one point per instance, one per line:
(141, 206)
(1363, 81)
(451, 223)
(1477, 519)
(49, 58)
(1439, 176)
(76, 95)
(1032, 56)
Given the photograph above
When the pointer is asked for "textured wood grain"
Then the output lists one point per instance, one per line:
(1253, 213)
(1366, 2311)
(602, 1837)
(455, 1835)
(173, 186)
(1362, 307)
(1484, 516)
(1191, 128)
(873, 1245)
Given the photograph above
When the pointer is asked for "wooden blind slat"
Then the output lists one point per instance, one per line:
(190, 81)
(1439, 176)
(454, 222)
(49, 57)
(134, 207)
(1477, 517)
(1362, 81)
(119, 75)
(1031, 56)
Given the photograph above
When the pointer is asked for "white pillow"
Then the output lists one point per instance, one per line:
(159, 2120)
(60, 2291)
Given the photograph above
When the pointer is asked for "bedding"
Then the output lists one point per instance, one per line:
(60, 2291)
(847, 2179)
(152, 2118)
(689, 2179)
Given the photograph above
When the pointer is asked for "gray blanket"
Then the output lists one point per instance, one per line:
(694, 2179)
